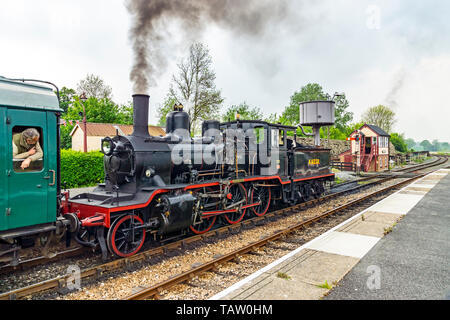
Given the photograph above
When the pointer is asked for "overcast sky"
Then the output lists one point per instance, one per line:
(393, 52)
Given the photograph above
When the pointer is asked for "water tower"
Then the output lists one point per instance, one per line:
(317, 114)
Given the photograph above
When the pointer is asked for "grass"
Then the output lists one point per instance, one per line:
(388, 230)
(338, 181)
(325, 286)
(283, 275)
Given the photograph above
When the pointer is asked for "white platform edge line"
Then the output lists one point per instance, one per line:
(239, 284)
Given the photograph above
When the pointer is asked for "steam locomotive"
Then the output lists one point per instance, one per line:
(163, 187)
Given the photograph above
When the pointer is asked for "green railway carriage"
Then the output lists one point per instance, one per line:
(28, 197)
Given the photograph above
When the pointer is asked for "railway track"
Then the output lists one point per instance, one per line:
(98, 271)
(381, 175)
(78, 251)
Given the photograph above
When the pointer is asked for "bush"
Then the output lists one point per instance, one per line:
(80, 169)
(398, 140)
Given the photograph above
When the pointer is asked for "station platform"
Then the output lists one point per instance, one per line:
(397, 249)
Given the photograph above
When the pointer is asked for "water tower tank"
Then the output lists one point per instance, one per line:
(317, 113)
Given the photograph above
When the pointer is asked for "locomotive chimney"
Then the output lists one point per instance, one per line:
(140, 115)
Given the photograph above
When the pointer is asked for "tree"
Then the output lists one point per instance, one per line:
(426, 145)
(66, 139)
(398, 140)
(310, 92)
(102, 110)
(380, 116)
(244, 110)
(445, 146)
(342, 116)
(94, 87)
(194, 86)
(66, 98)
(436, 145)
(314, 92)
(410, 143)
(125, 114)
(165, 109)
(272, 118)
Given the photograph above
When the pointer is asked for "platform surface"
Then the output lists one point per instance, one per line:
(413, 262)
(397, 249)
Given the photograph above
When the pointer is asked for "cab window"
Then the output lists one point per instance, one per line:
(275, 138)
(281, 138)
(259, 134)
(290, 139)
(27, 149)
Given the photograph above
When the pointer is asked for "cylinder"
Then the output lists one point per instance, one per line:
(140, 115)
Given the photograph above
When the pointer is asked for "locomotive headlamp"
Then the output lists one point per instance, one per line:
(108, 146)
(149, 172)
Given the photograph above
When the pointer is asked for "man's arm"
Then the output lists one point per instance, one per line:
(16, 154)
(39, 153)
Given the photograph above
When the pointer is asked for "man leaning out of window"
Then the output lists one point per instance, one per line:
(26, 146)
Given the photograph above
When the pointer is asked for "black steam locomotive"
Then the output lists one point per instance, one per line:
(168, 186)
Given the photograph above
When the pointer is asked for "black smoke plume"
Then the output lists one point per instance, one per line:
(149, 36)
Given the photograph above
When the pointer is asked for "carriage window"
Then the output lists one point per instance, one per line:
(27, 149)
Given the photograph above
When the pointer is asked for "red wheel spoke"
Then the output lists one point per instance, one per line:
(238, 193)
(124, 240)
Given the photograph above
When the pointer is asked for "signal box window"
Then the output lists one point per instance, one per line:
(27, 152)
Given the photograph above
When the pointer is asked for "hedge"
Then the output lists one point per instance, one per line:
(80, 169)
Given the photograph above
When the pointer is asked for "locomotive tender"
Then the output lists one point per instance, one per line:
(163, 187)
